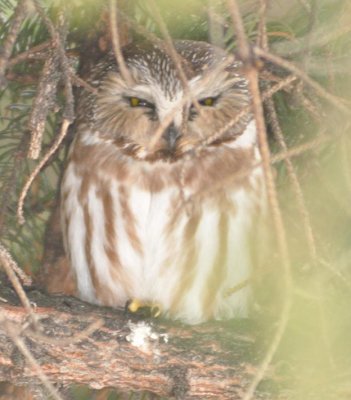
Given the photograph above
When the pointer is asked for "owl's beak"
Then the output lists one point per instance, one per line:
(171, 135)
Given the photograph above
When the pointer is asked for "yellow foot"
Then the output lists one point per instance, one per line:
(135, 305)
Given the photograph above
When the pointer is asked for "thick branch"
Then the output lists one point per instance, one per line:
(83, 344)
(10, 40)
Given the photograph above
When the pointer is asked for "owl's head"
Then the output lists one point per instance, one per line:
(157, 115)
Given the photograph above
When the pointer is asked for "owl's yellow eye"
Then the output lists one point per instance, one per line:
(134, 102)
(208, 101)
(138, 102)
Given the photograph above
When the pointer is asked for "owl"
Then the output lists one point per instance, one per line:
(162, 191)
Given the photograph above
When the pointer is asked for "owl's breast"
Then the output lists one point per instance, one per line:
(176, 235)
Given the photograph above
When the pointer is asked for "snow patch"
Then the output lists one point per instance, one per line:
(143, 337)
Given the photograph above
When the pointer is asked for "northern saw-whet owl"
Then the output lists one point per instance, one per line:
(162, 191)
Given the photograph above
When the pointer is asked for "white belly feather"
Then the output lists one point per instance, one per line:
(156, 272)
(188, 278)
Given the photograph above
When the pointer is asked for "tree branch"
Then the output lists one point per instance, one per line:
(10, 40)
(100, 347)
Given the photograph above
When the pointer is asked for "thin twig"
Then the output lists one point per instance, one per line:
(252, 76)
(345, 159)
(169, 45)
(246, 110)
(321, 37)
(9, 43)
(281, 156)
(335, 272)
(5, 256)
(31, 53)
(262, 39)
(341, 104)
(44, 101)
(64, 341)
(68, 114)
(218, 134)
(113, 20)
(328, 186)
(215, 25)
(189, 97)
(65, 124)
(308, 32)
(11, 269)
(46, 93)
(172, 52)
(302, 148)
(9, 180)
(82, 83)
(237, 287)
(280, 139)
(140, 29)
(12, 331)
(59, 37)
(304, 215)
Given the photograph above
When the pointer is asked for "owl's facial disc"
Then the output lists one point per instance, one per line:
(172, 116)
(158, 117)
(169, 126)
(171, 133)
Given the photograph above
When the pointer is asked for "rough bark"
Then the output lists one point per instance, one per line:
(208, 361)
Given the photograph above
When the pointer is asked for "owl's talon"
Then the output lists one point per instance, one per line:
(135, 305)
(156, 310)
